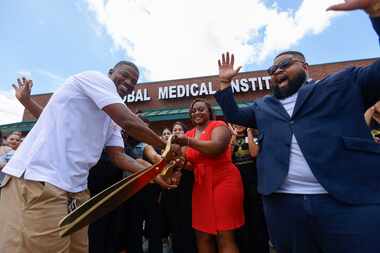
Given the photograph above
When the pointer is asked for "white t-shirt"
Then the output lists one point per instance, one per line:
(68, 138)
(300, 178)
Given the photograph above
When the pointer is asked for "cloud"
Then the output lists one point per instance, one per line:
(181, 38)
(24, 73)
(56, 79)
(11, 110)
(53, 79)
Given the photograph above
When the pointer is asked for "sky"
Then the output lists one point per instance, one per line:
(48, 41)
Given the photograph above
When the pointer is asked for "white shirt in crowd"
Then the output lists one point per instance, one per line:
(68, 138)
(300, 178)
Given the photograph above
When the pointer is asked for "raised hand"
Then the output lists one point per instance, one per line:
(373, 113)
(372, 7)
(181, 140)
(376, 112)
(23, 89)
(163, 184)
(226, 68)
(232, 129)
(176, 178)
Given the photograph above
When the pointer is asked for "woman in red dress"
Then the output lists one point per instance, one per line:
(217, 201)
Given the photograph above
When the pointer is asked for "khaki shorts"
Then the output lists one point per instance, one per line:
(29, 216)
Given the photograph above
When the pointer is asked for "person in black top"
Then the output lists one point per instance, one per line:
(177, 207)
(253, 236)
(103, 233)
(144, 207)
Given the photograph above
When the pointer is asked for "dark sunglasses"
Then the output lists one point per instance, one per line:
(283, 65)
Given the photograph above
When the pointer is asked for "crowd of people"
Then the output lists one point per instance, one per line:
(313, 187)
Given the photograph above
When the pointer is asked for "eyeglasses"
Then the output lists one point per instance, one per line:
(283, 65)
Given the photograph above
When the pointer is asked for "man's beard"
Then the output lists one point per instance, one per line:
(292, 87)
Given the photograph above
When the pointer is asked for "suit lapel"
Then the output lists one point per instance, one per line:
(275, 108)
(304, 92)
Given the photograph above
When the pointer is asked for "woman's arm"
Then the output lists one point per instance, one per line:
(253, 147)
(220, 139)
(123, 161)
(151, 154)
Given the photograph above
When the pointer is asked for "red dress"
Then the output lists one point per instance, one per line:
(217, 202)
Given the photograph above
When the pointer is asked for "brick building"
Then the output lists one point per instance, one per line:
(164, 102)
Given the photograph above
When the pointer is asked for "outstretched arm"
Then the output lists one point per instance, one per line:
(127, 163)
(367, 78)
(123, 161)
(220, 139)
(151, 154)
(23, 90)
(158, 179)
(371, 7)
(133, 125)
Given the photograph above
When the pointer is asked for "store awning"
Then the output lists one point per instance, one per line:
(24, 126)
(177, 114)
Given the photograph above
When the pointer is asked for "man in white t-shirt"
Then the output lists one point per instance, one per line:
(48, 173)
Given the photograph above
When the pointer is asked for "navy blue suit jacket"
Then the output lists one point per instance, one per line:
(329, 126)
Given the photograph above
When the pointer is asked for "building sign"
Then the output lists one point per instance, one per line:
(199, 89)
(138, 95)
(185, 90)
(251, 84)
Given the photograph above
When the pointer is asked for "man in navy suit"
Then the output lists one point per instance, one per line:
(318, 168)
